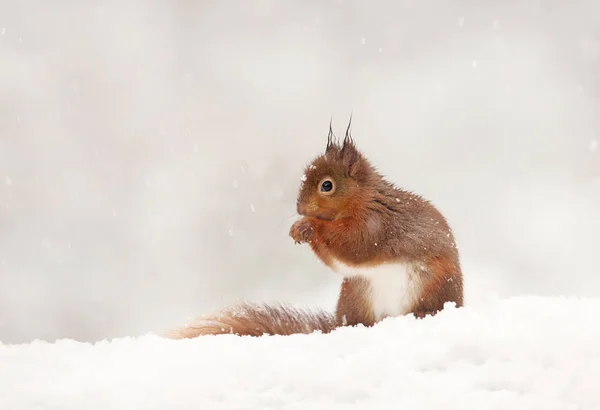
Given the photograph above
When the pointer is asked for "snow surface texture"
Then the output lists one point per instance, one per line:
(518, 353)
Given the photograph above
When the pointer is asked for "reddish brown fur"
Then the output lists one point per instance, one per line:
(363, 221)
(354, 307)
(445, 285)
(367, 221)
(258, 319)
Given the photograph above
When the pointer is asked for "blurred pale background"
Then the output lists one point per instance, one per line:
(150, 151)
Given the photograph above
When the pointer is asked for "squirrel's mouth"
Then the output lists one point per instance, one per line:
(316, 212)
(322, 216)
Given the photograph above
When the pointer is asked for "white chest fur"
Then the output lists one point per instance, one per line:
(395, 287)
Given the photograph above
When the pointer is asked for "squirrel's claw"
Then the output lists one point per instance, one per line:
(301, 231)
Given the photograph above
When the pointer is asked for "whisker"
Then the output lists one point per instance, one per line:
(284, 219)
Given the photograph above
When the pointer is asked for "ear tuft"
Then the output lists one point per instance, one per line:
(330, 138)
(348, 136)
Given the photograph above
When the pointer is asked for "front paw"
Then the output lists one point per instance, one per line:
(302, 230)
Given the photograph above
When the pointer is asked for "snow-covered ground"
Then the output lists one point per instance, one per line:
(518, 353)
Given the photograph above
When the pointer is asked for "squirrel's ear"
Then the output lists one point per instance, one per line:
(350, 157)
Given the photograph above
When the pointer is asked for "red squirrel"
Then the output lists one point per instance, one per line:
(395, 250)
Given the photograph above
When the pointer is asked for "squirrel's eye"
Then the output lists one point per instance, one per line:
(326, 186)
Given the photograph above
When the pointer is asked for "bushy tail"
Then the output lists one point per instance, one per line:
(247, 319)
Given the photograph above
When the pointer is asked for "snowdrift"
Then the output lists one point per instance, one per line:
(519, 353)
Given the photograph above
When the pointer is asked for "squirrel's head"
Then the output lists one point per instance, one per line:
(334, 181)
